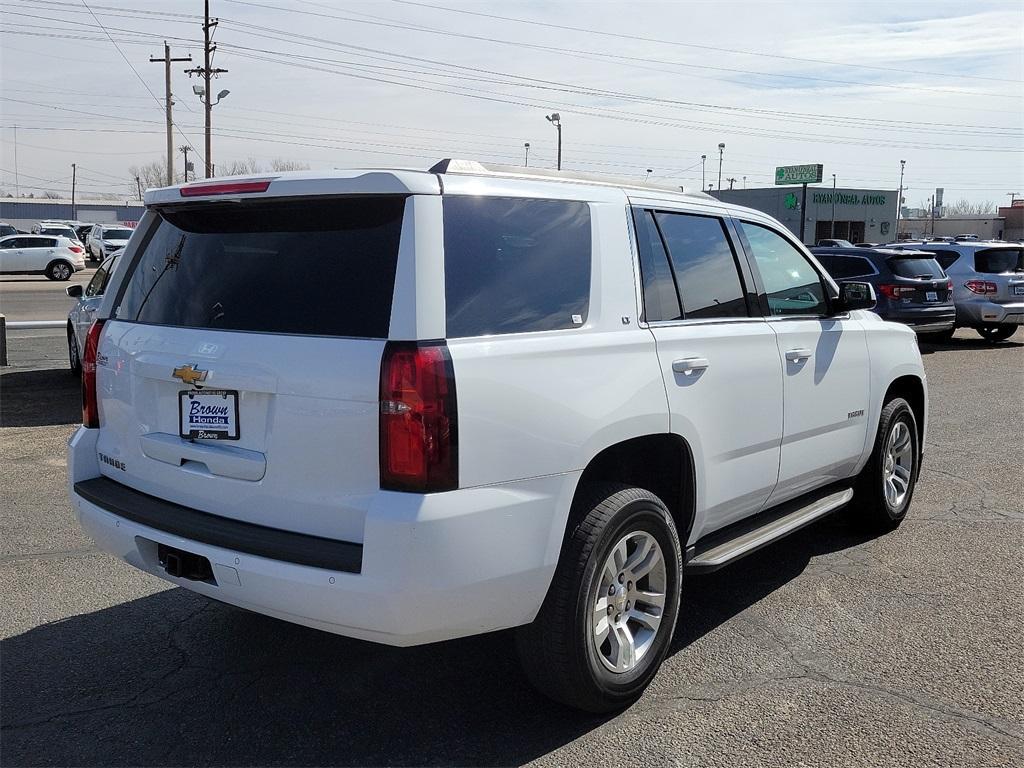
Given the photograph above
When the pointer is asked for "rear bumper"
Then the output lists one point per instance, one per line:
(979, 312)
(926, 319)
(430, 567)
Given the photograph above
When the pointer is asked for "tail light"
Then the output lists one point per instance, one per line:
(949, 284)
(75, 248)
(90, 406)
(418, 423)
(895, 291)
(981, 286)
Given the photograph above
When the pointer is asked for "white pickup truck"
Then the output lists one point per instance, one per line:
(412, 406)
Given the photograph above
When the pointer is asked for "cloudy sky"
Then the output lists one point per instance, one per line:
(857, 86)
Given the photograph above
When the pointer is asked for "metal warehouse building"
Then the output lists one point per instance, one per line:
(23, 212)
(861, 215)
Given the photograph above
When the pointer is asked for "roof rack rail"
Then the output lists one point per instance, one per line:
(475, 168)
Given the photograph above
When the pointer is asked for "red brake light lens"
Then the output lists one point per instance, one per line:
(225, 188)
(418, 419)
(895, 291)
(981, 286)
(75, 249)
(90, 406)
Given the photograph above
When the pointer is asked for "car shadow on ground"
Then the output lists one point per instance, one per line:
(963, 344)
(39, 398)
(172, 679)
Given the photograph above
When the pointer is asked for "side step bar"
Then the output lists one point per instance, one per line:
(722, 548)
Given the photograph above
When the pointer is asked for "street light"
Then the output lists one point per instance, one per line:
(649, 171)
(526, 162)
(200, 91)
(703, 158)
(899, 199)
(721, 150)
(556, 120)
(832, 229)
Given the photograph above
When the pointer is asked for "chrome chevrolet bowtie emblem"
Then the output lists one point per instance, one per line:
(189, 374)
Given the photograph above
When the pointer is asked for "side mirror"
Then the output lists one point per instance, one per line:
(74, 291)
(854, 295)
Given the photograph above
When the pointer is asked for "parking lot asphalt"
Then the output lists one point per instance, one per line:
(33, 297)
(827, 649)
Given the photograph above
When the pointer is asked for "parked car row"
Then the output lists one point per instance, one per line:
(937, 287)
(55, 256)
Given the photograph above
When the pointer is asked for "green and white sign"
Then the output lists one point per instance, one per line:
(798, 174)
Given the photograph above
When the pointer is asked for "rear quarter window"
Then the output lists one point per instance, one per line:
(994, 261)
(515, 265)
(313, 267)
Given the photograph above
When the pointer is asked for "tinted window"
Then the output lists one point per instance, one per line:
(945, 258)
(913, 266)
(661, 302)
(845, 267)
(704, 266)
(117, 234)
(316, 267)
(7, 229)
(993, 261)
(513, 265)
(95, 286)
(792, 285)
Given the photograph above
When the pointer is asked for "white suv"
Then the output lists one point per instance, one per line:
(411, 406)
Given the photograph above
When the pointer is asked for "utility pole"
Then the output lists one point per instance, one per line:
(184, 151)
(74, 177)
(138, 186)
(16, 191)
(931, 204)
(832, 229)
(731, 182)
(207, 72)
(899, 199)
(167, 60)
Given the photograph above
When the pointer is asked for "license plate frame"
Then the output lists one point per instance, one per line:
(931, 295)
(220, 425)
(1018, 290)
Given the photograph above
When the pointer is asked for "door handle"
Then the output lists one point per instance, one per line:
(796, 355)
(690, 364)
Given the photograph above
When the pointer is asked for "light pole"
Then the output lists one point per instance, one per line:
(703, 159)
(649, 172)
(899, 199)
(526, 162)
(556, 120)
(710, 187)
(731, 182)
(832, 229)
(744, 182)
(200, 91)
(721, 150)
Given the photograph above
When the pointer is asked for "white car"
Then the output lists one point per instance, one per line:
(480, 398)
(56, 257)
(81, 316)
(58, 228)
(104, 240)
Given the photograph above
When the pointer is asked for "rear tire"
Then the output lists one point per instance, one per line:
(610, 612)
(886, 485)
(59, 270)
(998, 332)
(74, 358)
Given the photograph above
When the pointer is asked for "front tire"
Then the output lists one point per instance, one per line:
(998, 332)
(610, 612)
(886, 485)
(59, 270)
(74, 358)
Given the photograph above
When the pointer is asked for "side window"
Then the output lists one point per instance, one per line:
(946, 259)
(844, 267)
(704, 264)
(661, 301)
(95, 286)
(792, 284)
(514, 265)
(47, 242)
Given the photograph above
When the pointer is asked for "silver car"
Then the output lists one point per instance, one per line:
(84, 312)
(988, 284)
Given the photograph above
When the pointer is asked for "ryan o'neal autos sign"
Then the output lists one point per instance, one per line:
(798, 174)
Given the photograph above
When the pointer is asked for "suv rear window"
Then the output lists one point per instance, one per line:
(994, 261)
(844, 267)
(314, 267)
(916, 266)
(514, 265)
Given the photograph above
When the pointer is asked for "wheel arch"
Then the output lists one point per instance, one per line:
(662, 463)
(910, 388)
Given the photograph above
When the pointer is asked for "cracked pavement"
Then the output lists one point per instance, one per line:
(827, 649)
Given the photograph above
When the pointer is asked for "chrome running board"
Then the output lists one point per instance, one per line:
(721, 548)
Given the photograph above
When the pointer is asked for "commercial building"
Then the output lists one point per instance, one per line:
(860, 215)
(23, 212)
(985, 226)
(1013, 220)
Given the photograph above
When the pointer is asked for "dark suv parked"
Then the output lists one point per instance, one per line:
(910, 285)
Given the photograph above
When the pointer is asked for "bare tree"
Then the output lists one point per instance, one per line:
(51, 195)
(280, 164)
(964, 207)
(239, 167)
(152, 174)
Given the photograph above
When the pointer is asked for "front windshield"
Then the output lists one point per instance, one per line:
(62, 231)
(117, 234)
